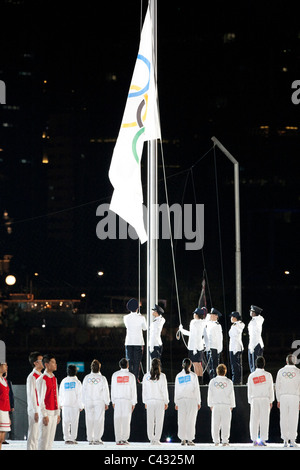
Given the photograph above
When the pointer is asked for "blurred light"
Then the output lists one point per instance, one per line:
(83, 295)
(286, 273)
(100, 273)
(10, 280)
(168, 439)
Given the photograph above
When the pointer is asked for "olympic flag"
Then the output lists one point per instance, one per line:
(140, 123)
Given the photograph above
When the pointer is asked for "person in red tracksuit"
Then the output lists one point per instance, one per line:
(4, 404)
(49, 410)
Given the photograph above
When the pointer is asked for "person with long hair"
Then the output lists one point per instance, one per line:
(187, 400)
(4, 404)
(156, 398)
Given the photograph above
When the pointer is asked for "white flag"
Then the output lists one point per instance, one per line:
(140, 123)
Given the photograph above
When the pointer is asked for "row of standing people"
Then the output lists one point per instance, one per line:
(205, 339)
(46, 400)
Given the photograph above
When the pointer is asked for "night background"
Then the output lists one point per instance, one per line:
(224, 70)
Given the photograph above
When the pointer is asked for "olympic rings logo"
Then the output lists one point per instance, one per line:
(220, 385)
(289, 375)
(94, 380)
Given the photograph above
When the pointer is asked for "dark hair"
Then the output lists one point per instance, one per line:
(186, 365)
(47, 358)
(71, 370)
(291, 359)
(260, 362)
(155, 370)
(95, 366)
(33, 357)
(123, 363)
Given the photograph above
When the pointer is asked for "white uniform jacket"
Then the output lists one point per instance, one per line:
(260, 385)
(213, 336)
(255, 330)
(221, 392)
(187, 386)
(135, 324)
(235, 337)
(155, 389)
(70, 393)
(288, 382)
(95, 389)
(196, 332)
(31, 392)
(155, 332)
(123, 386)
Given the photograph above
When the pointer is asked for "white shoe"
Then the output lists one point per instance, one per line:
(293, 444)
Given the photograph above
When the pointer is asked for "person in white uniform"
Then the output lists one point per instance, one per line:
(187, 400)
(49, 409)
(36, 362)
(155, 396)
(236, 347)
(213, 337)
(256, 344)
(196, 340)
(70, 400)
(287, 388)
(135, 324)
(124, 399)
(95, 398)
(156, 326)
(221, 400)
(261, 397)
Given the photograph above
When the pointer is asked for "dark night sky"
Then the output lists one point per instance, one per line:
(207, 87)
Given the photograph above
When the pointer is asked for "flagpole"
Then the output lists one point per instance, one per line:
(152, 222)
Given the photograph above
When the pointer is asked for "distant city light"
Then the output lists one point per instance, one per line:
(100, 273)
(286, 273)
(10, 280)
(83, 295)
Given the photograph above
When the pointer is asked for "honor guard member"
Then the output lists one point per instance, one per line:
(213, 337)
(261, 397)
(256, 345)
(134, 342)
(287, 388)
(196, 341)
(156, 346)
(35, 360)
(236, 347)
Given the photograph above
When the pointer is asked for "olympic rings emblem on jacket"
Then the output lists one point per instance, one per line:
(289, 375)
(221, 385)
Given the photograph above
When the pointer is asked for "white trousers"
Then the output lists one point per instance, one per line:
(220, 423)
(33, 433)
(122, 419)
(47, 433)
(70, 418)
(155, 419)
(94, 420)
(289, 416)
(259, 419)
(186, 418)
